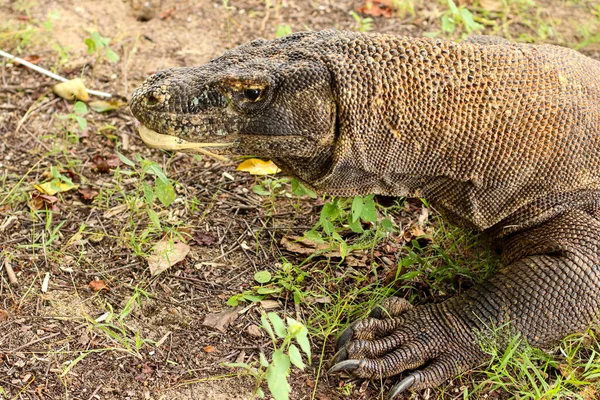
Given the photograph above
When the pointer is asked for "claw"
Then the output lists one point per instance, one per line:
(346, 365)
(345, 336)
(401, 386)
(340, 356)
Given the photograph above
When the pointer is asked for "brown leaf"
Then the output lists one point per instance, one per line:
(32, 58)
(209, 349)
(98, 285)
(220, 321)
(43, 201)
(3, 315)
(377, 8)
(254, 330)
(166, 14)
(103, 164)
(88, 193)
(166, 254)
(302, 245)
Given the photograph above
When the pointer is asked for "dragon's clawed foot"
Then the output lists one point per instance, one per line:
(431, 340)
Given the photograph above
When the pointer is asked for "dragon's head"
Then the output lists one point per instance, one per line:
(270, 99)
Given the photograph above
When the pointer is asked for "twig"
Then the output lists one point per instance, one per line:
(50, 74)
(12, 278)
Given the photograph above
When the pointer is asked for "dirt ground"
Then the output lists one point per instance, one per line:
(145, 337)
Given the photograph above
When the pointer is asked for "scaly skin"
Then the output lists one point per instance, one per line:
(503, 137)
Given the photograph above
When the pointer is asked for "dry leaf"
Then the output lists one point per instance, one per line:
(255, 166)
(54, 186)
(3, 315)
(269, 304)
(98, 285)
(302, 245)
(43, 201)
(377, 8)
(220, 321)
(254, 330)
(209, 349)
(105, 106)
(166, 254)
(71, 90)
(88, 193)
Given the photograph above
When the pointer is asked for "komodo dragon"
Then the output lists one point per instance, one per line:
(503, 137)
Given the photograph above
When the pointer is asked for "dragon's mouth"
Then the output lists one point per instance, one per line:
(161, 141)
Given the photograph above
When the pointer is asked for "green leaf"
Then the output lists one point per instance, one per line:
(387, 225)
(111, 56)
(369, 213)
(267, 326)
(277, 324)
(356, 226)
(267, 290)
(410, 275)
(302, 339)
(296, 357)
(263, 360)
(314, 236)
(165, 192)
(283, 30)
(453, 8)
(262, 276)
(91, 46)
(299, 189)
(252, 298)
(448, 24)
(343, 249)
(259, 392)
(260, 190)
(233, 301)
(155, 169)
(357, 207)
(125, 160)
(277, 374)
(154, 219)
(81, 122)
(148, 193)
(80, 108)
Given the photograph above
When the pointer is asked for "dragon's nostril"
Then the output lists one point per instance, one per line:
(152, 100)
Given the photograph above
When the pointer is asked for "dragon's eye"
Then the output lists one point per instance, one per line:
(252, 94)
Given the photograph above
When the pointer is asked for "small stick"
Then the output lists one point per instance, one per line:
(12, 278)
(50, 74)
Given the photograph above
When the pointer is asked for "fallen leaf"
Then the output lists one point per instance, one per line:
(103, 164)
(254, 330)
(43, 201)
(491, 5)
(166, 14)
(302, 245)
(204, 239)
(98, 285)
(377, 8)
(105, 106)
(220, 321)
(87, 193)
(209, 349)
(269, 304)
(32, 58)
(71, 90)
(3, 315)
(166, 254)
(54, 186)
(255, 166)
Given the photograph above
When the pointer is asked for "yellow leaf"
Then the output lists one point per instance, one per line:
(71, 90)
(254, 166)
(54, 186)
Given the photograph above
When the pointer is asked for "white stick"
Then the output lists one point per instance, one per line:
(48, 73)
